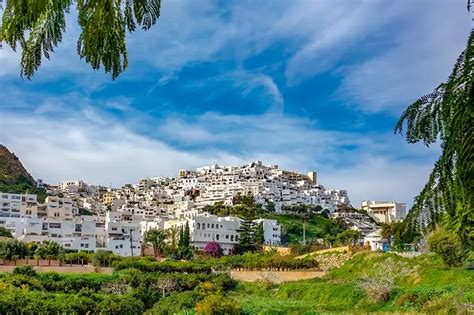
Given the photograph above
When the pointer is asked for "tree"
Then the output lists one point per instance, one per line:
(213, 249)
(260, 234)
(348, 237)
(11, 249)
(157, 239)
(5, 233)
(38, 26)
(49, 250)
(166, 284)
(102, 258)
(172, 236)
(447, 245)
(446, 114)
(247, 230)
(184, 247)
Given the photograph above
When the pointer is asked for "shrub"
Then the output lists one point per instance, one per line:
(448, 304)
(25, 270)
(447, 245)
(175, 303)
(213, 249)
(120, 304)
(379, 282)
(217, 305)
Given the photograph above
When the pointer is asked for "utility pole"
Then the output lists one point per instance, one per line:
(304, 231)
(131, 243)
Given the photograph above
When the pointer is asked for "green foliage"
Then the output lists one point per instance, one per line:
(217, 305)
(5, 233)
(247, 229)
(38, 26)
(302, 209)
(157, 239)
(348, 237)
(339, 292)
(447, 245)
(23, 186)
(317, 226)
(11, 249)
(78, 258)
(120, 304)
(104, 258)
(432, 288)
(185, 250)
(25, 270)
(49, 250)
(259, 234)
(446, 114)
(175, 303)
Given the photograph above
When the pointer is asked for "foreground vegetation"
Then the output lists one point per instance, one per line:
(368, 282)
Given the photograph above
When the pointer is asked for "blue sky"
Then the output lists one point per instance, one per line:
(309, 85)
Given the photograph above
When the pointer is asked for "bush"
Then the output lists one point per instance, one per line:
(120, 304)
(217, 305)
(175, 303)
(213, 249)
(25, 270)
(378, 283)
(447, 245)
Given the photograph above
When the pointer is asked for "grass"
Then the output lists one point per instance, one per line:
(433, 289)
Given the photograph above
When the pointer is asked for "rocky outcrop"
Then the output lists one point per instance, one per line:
(11, 169)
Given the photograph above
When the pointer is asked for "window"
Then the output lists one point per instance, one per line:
(198, 226)
(217, 236)
(212, 226)
(232, 238)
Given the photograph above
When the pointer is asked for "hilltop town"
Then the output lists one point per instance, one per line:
(81, 216)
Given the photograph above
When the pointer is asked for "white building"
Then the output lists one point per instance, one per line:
(375, 240)
(17, 205)
(72, 186)
(385, 211)
(205, 228)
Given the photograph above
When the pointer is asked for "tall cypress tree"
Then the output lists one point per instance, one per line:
(186, 236)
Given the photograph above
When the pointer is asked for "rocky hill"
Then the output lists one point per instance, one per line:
(12, 170)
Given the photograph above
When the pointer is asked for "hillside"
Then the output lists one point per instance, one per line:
(12, 170)
(317, 226)
(14, 178)
(430, 288)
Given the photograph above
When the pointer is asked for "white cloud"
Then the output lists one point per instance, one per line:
(421, 58)
(101, 150)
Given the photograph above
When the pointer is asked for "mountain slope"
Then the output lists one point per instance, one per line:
(14, 178)
(11, 170)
